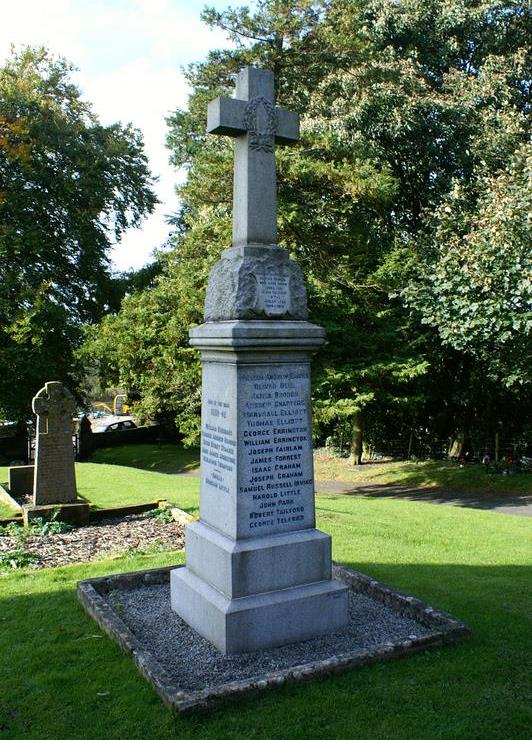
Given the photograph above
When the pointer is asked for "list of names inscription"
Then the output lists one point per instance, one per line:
(276, 485)
(218, 446)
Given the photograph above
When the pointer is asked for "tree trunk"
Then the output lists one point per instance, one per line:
(456, 446)
(356, 440)
(410, 443)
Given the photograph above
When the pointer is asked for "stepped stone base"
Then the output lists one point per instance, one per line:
(262, 620)
(246, 567)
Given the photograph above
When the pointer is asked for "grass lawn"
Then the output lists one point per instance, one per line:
(116, 485)
(62, 678)
(431, 473)
(6, 511)
(165, 458)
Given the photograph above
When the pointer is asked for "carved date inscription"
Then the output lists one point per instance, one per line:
(275, 292)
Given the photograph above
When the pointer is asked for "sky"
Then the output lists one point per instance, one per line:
(129, 54)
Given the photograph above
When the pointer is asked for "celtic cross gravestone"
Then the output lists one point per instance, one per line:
(258, 572)
(54, 480)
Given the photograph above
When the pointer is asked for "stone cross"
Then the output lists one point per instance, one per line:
(55, 407)
(54, 480)
(256, 124)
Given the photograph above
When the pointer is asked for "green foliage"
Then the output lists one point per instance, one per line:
(41, 527)
(14, 530)
(38, 527)
(68, 187)
(161, 515)
(17, 559)
(478, 294)
(411, 153)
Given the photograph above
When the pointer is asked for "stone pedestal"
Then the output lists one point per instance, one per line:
(258, 573)
(76, 513)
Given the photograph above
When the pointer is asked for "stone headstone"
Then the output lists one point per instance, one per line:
(258, 572)
(54, 480)
(20, 480)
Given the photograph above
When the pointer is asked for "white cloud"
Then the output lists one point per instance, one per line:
(129, 54)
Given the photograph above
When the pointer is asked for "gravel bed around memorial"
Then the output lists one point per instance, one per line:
(131, 532)
(195, 664)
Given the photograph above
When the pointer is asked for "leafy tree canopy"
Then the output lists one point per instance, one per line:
(68, 187)
(413, 112)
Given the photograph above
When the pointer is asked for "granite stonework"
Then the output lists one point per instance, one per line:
(256, 126)
(20, 480)
(343, 650)
(258, 573)
(55, 478)
(255, 283)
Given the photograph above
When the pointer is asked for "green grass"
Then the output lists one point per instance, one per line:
(429, 473)
(62, 678)
(56, 663)
(116, 485)
(165, 458)
(6, 511)
(442, 474)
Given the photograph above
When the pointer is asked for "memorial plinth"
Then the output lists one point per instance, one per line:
(258, 572)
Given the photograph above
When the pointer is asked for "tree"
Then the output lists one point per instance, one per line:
(314, 191)
(478, 293)
(440, 101)
(68, 186)
(402, 103)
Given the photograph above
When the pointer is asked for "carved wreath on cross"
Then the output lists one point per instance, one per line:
(260, 120)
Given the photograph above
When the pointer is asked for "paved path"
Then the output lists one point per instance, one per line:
(520, 505)
(517, 505)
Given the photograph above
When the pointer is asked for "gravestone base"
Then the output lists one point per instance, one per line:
(76, 513)
(258, 572)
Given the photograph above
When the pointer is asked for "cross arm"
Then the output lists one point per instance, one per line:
(40, 405)
(287, 129)
(226, 116)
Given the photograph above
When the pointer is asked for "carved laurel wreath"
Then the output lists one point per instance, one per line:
(261, 128)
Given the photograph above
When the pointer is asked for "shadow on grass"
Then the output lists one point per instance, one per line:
(506, 503)
(54, 650)
(161, 458)
(436, 474)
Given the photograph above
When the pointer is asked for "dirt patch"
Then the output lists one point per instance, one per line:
(132, 532)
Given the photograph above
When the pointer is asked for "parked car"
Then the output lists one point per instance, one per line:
(117, 426)
(120, 426)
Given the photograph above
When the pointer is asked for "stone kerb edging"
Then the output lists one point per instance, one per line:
(92, 595)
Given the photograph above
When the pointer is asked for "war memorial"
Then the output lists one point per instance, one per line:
(259, 601)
